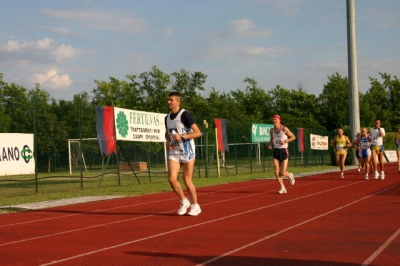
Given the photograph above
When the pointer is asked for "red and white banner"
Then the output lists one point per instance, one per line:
(319, 142)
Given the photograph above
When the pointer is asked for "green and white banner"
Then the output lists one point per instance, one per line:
(16, 154)
(260, 132)
(131, 125)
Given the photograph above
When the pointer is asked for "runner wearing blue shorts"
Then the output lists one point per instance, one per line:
(365, 150)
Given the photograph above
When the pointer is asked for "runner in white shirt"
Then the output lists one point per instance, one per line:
(280, 137)
(377, 133)
(180, 132)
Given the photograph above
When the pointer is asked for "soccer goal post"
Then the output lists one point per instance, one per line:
(75, 154)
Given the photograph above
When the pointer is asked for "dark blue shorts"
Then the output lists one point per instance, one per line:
(281, 154)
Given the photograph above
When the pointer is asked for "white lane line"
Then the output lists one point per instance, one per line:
(125, 220)
(381, 248)
(119, 207)
(291, 227)
(200, 224)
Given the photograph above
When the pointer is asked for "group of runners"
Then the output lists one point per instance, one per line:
(369, 150)
(181, 130)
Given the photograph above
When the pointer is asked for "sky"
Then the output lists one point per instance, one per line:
(66, 45)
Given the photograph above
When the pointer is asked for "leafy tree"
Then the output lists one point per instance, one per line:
(5, 119)
(333, 103)
(254, 101)
(17, 109)
(376, 99)
(51, 134)
(189, 85)
(154, 90)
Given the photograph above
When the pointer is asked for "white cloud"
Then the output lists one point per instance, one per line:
(51, 80)
(244, 28)
(105, 20)
(16, 46)
(59, 30)
(41, 51)
(65, 52)
(245, 51)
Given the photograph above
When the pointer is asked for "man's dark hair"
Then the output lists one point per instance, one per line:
(175, 93)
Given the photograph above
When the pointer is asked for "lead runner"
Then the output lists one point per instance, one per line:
(180, 132)
(280, 137)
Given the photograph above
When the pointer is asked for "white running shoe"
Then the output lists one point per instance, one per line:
(341, 175)
(358, 171)
(366, 177)
(291, 179)
(185, 204)
(382, 175)
(376, 175)
(194, 210)
(282, 191)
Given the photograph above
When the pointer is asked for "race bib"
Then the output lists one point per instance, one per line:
(339, 147)
(365, 145)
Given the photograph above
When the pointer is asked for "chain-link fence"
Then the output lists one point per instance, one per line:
(80, 164)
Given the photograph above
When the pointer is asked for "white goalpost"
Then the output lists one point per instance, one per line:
(74, 152)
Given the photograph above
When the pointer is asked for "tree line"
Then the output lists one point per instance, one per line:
(58, 120)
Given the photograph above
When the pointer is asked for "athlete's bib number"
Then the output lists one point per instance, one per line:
(339, 147)
(365, 145)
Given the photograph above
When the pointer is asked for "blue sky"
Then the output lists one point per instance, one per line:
(66, 45)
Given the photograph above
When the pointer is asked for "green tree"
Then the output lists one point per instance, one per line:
(333, 103)
(154, 90)
(5, 118)
(254, 101)
(190, 85)
(51, 133)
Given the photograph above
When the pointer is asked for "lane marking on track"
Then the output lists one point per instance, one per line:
(220, 219)
(146, 216)
(291, 227)
(118, 207)
(381, 248)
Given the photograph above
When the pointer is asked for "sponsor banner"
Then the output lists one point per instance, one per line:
(260, 132)
(319, 142)
(390, 156)
(131, 125)
(16, 154)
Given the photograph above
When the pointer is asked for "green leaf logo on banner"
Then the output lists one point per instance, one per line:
(122, 124)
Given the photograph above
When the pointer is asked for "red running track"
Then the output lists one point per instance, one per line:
(322, 220)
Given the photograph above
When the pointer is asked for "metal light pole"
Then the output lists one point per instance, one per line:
(354, 107)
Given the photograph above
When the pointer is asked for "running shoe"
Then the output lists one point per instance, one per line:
(382, 175)
(376, 175)
(358, 171)
(291, 179)
(185, 204)
(194, 210)
(282, 191)
(341, 175)
(366, 177)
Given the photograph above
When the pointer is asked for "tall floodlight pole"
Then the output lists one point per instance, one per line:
(354, 107)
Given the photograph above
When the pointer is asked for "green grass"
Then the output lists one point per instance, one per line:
(20, 191)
